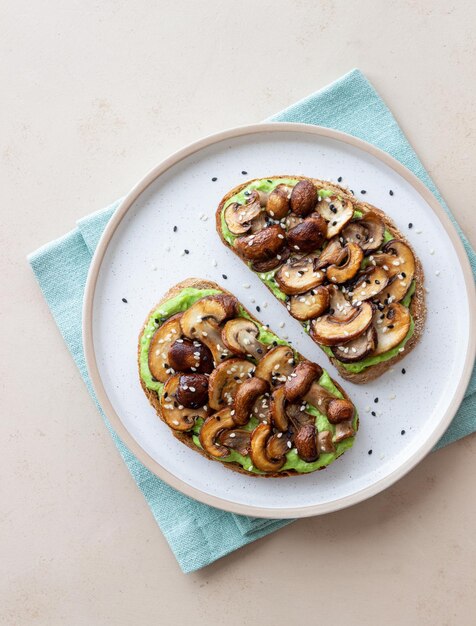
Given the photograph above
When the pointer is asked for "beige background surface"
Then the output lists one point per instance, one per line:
(93, 95)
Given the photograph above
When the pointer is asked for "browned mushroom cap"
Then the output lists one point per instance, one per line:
(301, 379)
(270, 264)
(404, 262)
(392, 325)
(238, 216)
(174, 414)
(333, 254)
(186, 355)
(310, 304)
(246, 395)
(278, 202)
(276, 365)
(309, 235)
(324, 442)
(340, 410)
(305, 441)
(277, 409)
(368, 232)
(330, 330)
(303, 198)
(278, 445)
(240, 335)
(262, 246)
(211, 428)
(201, 321)
(192, 390)
(358, 348)
(225, 380)
(236, 439)
(349, 268)
(338, 212)
(299, 276)
(344, 430)
(163, 338)
(261, 461)
(369, 284)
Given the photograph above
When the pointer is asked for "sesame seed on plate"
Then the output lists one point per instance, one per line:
(437, 273)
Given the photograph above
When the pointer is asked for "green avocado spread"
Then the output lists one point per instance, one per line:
(182, 302)
(268, 279)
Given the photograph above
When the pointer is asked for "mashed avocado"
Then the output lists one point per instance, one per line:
(182, 302)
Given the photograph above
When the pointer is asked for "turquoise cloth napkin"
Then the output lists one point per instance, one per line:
(199, 534)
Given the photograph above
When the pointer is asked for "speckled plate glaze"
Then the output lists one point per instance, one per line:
(164, 232)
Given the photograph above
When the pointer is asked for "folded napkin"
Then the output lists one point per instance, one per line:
(199, 534)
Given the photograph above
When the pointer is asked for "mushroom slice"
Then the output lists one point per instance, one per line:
(301, 379)
(278, 202)
(277, 409)
(261, 461)
(344, 430)
(358, 348)
(344, 272)
(271, 264)
(310, 304)
(330, 330)
(397, 259)
(237, 439)
(369, 284)
(201, 321)
(392, 324)
(298, 415)
(260, 408)
(263, 245)
(333, 254)
(225, 380)
(238, 216)
(338, 212)
(174, 414)
(299, 276)
(186, 355)
(210, 430)
(163, 338)
(192, 390)
(305, 441)
(324, 442)
(258, 223)
(240, 335)
(278, 445)
(339, 306)
(246, 395)
(276, 365)
(368, 232)
(319, 397)
(309, 235)
(303, 198)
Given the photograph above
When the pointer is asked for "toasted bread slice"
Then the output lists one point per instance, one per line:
(417, 306)
(187, 437)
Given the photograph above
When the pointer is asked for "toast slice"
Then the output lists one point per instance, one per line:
(265, 428)
(278, 224)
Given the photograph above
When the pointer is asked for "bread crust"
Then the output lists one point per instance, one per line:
(152, 396)
(417, 306)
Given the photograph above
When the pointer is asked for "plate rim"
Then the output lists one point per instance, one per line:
(88, 340)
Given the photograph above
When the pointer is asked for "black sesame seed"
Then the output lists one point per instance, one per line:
(377, 282)
(373, 413)
(244, 173)
(339, 180)
(352, 191)
(391, 326)
(331, 311)
(363, 191)
(124, 300)
(157, 320)
(258, 309)
(370, 451)
(404, 371)
(391, 192)
(236, 377)
(175, 229)
(214, 179)
(225, 276)
(259, 350)
(270, 181)
(410, 225)
(404, 275)
(375, 400)
(187, 251)
(222, 356)
(334, 223)
(402, 432)
(154, 379)
(247, 193)
(275, 343)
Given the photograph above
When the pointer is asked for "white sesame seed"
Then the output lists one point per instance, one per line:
(176, 422)
(432, 251)
(289, 444)
(418, 232)
(437, 273)
(182, 253)
(392, 396)
(367, 409)
(214, 263)
(232, 435)
(246, 285)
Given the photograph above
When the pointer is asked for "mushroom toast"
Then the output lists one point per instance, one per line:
(235, 392)
(340, 266)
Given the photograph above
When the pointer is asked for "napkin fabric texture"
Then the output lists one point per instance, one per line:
(199, 534)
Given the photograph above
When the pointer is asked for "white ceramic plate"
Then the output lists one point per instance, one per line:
(140, 257)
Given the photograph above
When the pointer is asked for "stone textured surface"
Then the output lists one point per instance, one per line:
(95, 94)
